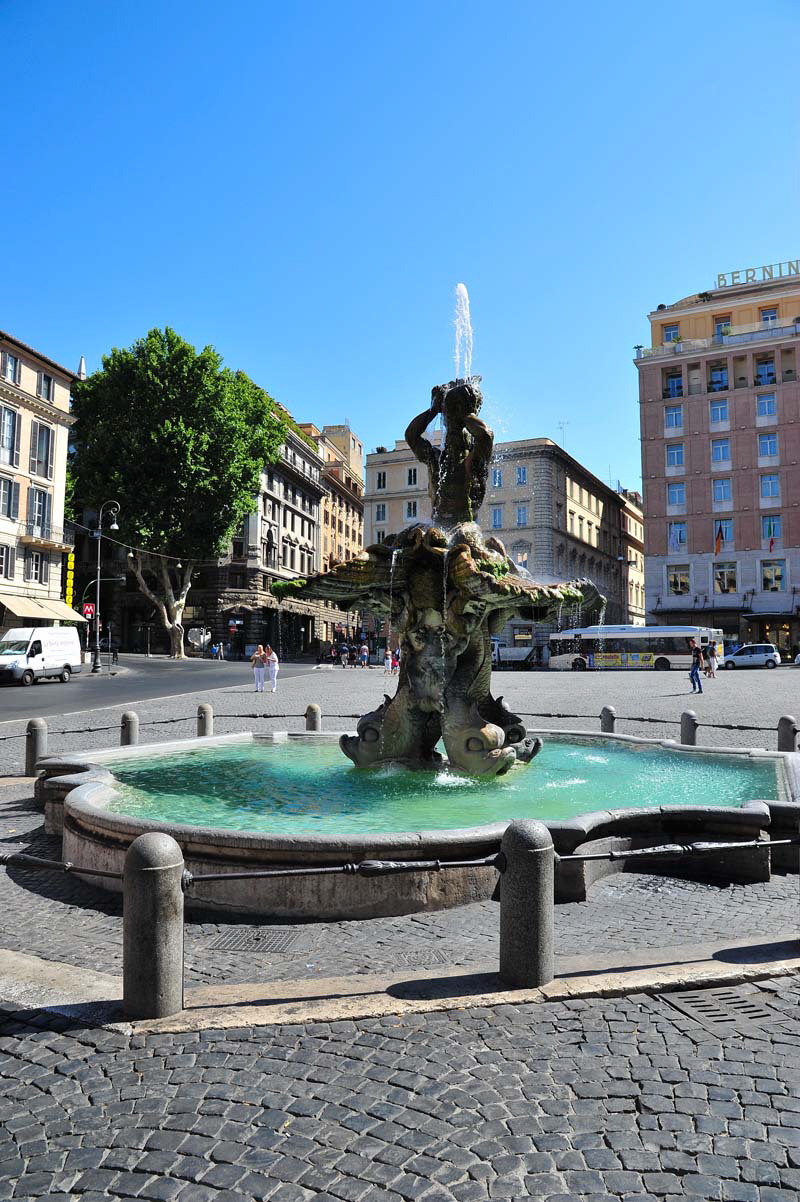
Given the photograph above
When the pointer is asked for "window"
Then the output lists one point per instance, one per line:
(673, 384)
(773, 574)
(675, 454)
(411, 509)
(671, 333)
(771, 526)
(673, 417)
(721, 489)
(40, 507)
(718, 379)
(719, 411)
(10, 368)
(44, 386)
(10, 425)
(765, 372)
(769, 317)
(380, 512)
(497, 477)
(678, 580)
(722, 325)
(380, 480)
(723, 532)
(767, 445)
(765, 405)
(522, 515)
(7, 562)
(42, 446)
(9, 498)
(380, 535)
(37, 567)
(522, 475)
(497, 517)
(676, 494)
(412, 477)
(676, 536)
(520, 554)
(720, 450)
(724, 577)
(770, 486)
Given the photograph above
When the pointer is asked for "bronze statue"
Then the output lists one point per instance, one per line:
(445, 591)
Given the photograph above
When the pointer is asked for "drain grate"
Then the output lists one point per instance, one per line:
(256, 940)
(421, 959)
(726, 1011)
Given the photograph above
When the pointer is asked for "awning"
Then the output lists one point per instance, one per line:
(26, 607)
(62, 611)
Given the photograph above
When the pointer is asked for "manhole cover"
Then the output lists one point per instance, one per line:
(726, 1011)
(420, 959)
(255, 941)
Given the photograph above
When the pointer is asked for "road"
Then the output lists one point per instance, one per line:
(138, 679)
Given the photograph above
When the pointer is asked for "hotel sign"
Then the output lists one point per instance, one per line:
(753, 275)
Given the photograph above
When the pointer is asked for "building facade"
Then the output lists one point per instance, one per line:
(555, 518)
(34, 543)
(720, 428)
(283, 539)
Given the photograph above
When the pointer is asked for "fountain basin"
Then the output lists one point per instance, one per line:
(84, 791)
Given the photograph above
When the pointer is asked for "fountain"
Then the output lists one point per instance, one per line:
(445, 590)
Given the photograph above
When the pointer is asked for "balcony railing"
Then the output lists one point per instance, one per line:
(737, 336)
(53, 536)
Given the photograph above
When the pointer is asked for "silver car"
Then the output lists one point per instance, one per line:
(754, 655)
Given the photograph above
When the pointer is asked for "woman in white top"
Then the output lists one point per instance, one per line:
(271, 661)
(259, 662)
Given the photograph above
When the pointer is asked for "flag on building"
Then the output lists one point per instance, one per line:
(720, 540)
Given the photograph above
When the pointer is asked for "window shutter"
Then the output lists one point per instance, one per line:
(17, 370)
(17, 433)
(45, 569)
(34, 446)
(28, 565)
(30, 512)
(48, 511)
(51, 442)
(39, 382)
(3, 363)
(14, 500)
(11, 563)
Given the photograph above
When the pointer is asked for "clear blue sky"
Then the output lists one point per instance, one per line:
(303, 185)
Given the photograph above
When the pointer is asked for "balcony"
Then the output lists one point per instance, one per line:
(737, 336)
(51, 538)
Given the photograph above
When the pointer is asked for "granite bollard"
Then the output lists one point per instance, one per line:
(527, 905)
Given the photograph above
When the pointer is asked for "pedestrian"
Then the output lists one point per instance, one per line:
(711, 661)
(213, 650)
(387, 662)
(344, 654)
(395, 661)
(271, 660)
(258, 662)
(353, 657)
(697, 664)
(364, 655)
(115, 656)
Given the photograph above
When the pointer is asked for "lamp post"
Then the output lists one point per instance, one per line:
(113, 508)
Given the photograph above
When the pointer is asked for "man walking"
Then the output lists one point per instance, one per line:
(697, 665)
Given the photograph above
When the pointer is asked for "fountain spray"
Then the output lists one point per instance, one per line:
(463, 328)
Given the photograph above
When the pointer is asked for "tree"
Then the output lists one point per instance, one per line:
(180, 441)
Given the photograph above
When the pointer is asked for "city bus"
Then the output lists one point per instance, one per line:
(658, 648)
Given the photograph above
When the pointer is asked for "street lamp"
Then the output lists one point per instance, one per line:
(113, 508)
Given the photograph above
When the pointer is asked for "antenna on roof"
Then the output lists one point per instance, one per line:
(561, 426)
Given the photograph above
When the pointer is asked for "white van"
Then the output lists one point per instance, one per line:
(31, 653)
(504, 656)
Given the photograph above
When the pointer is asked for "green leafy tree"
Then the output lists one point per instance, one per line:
(180, 441)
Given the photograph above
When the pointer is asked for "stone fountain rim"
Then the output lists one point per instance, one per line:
(89, 785)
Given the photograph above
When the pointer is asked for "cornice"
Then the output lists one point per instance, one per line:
(15, 396)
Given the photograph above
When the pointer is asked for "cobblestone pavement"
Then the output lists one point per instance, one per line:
(747, 698)
(60, 918)
(593, 1100)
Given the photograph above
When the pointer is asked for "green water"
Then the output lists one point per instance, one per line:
(288, 788)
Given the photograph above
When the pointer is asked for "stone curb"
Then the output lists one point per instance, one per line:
(27, 982)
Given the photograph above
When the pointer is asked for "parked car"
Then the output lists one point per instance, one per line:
(32, 653)
(104, 643)
(754, 655)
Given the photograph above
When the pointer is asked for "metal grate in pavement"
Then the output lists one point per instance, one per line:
(733, 1011)
(423, 958)
(256, 940)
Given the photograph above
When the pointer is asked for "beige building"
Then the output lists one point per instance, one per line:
(720, 426)
(555, 518)
(34, 429)
(342, 509)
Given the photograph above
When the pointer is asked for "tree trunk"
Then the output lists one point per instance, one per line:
(176, 641)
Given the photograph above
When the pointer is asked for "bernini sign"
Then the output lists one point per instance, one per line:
(753, 275)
